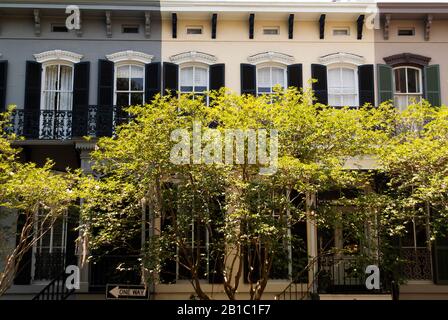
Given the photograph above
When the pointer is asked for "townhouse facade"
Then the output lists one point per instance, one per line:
(68, 84)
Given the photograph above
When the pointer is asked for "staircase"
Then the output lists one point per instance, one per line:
(56, 289)
(333, 279)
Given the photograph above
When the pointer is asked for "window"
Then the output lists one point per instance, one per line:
(272, 31)
(341, 31)
(270, 77)
(129, 85)
(406, 32)
(194, 80)
(57, 87)
(194, 30)
(49, 250)
(58, 28)
(407, 86)
(343, 87)
(130, 28)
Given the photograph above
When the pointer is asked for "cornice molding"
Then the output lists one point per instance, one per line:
(342, 58)
(271, 56)
(58, 55)
(407, 58)
(130, 55)
(193, 56)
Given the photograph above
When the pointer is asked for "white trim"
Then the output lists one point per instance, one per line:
(58, 55)
(342, 58)
(269, 57)
(129, 92)
(193, 56)
(130, 55)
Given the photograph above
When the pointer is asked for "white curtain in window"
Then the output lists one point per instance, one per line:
(66, 88)
(186, 79)
(342, 87)
(123, 72)
(200, 79)
(278, 77)
(137, 72)
(264, 78)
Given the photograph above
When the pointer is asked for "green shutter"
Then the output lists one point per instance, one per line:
(441, 260)
(432, 85)
(385, 83)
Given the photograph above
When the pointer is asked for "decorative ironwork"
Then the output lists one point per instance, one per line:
(417, 263)
(93, 121)
(48, 265)
(56, 289)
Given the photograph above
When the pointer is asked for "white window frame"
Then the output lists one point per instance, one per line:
(194, 66)
(129, 64)
(271, 66)
(418, 96)
(340, 67)
(57, 63)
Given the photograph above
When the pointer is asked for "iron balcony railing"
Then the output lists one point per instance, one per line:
(92, 121)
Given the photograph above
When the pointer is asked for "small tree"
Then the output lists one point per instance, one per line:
(247, 215)
(25, 190)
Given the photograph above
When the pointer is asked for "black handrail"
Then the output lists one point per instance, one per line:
(56, 289)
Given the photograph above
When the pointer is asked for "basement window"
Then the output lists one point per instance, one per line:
(341, 31)
(130, 29)
(58, 28)
(406, 32)
(194, 30)
(271, 31)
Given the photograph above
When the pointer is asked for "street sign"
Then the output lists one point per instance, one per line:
(126, 292)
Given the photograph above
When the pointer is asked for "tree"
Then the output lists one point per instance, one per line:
(203, 193)
(25, 191)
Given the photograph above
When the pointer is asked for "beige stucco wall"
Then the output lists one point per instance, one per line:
(436, 48)
(233, 45)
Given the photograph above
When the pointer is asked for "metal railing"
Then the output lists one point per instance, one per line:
(93, 121)
(56, 289)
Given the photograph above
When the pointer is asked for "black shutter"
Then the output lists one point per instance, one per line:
(248, 79)
(81, 84)
(170, 78)
(320, 88)
(217, 76)
(3, 80)
(366, 85)
(295, 76)
(72, 236)
(105, 83)
(23, 275)
(33, 81)
(152, 81)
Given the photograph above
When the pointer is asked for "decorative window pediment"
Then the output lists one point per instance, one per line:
(60, 55)
(407, 59)
(342, 58)
(193, 56)
(267, 57)
(130, 55)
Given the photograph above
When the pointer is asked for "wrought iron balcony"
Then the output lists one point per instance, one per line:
(93, 121)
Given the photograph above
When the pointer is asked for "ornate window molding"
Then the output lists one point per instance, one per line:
(130, 55)
(193, 56)
(269, 57)
(407, 59)
(342, 58)
(60, 55)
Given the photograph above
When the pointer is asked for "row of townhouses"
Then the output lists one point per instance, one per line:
(68, 84)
